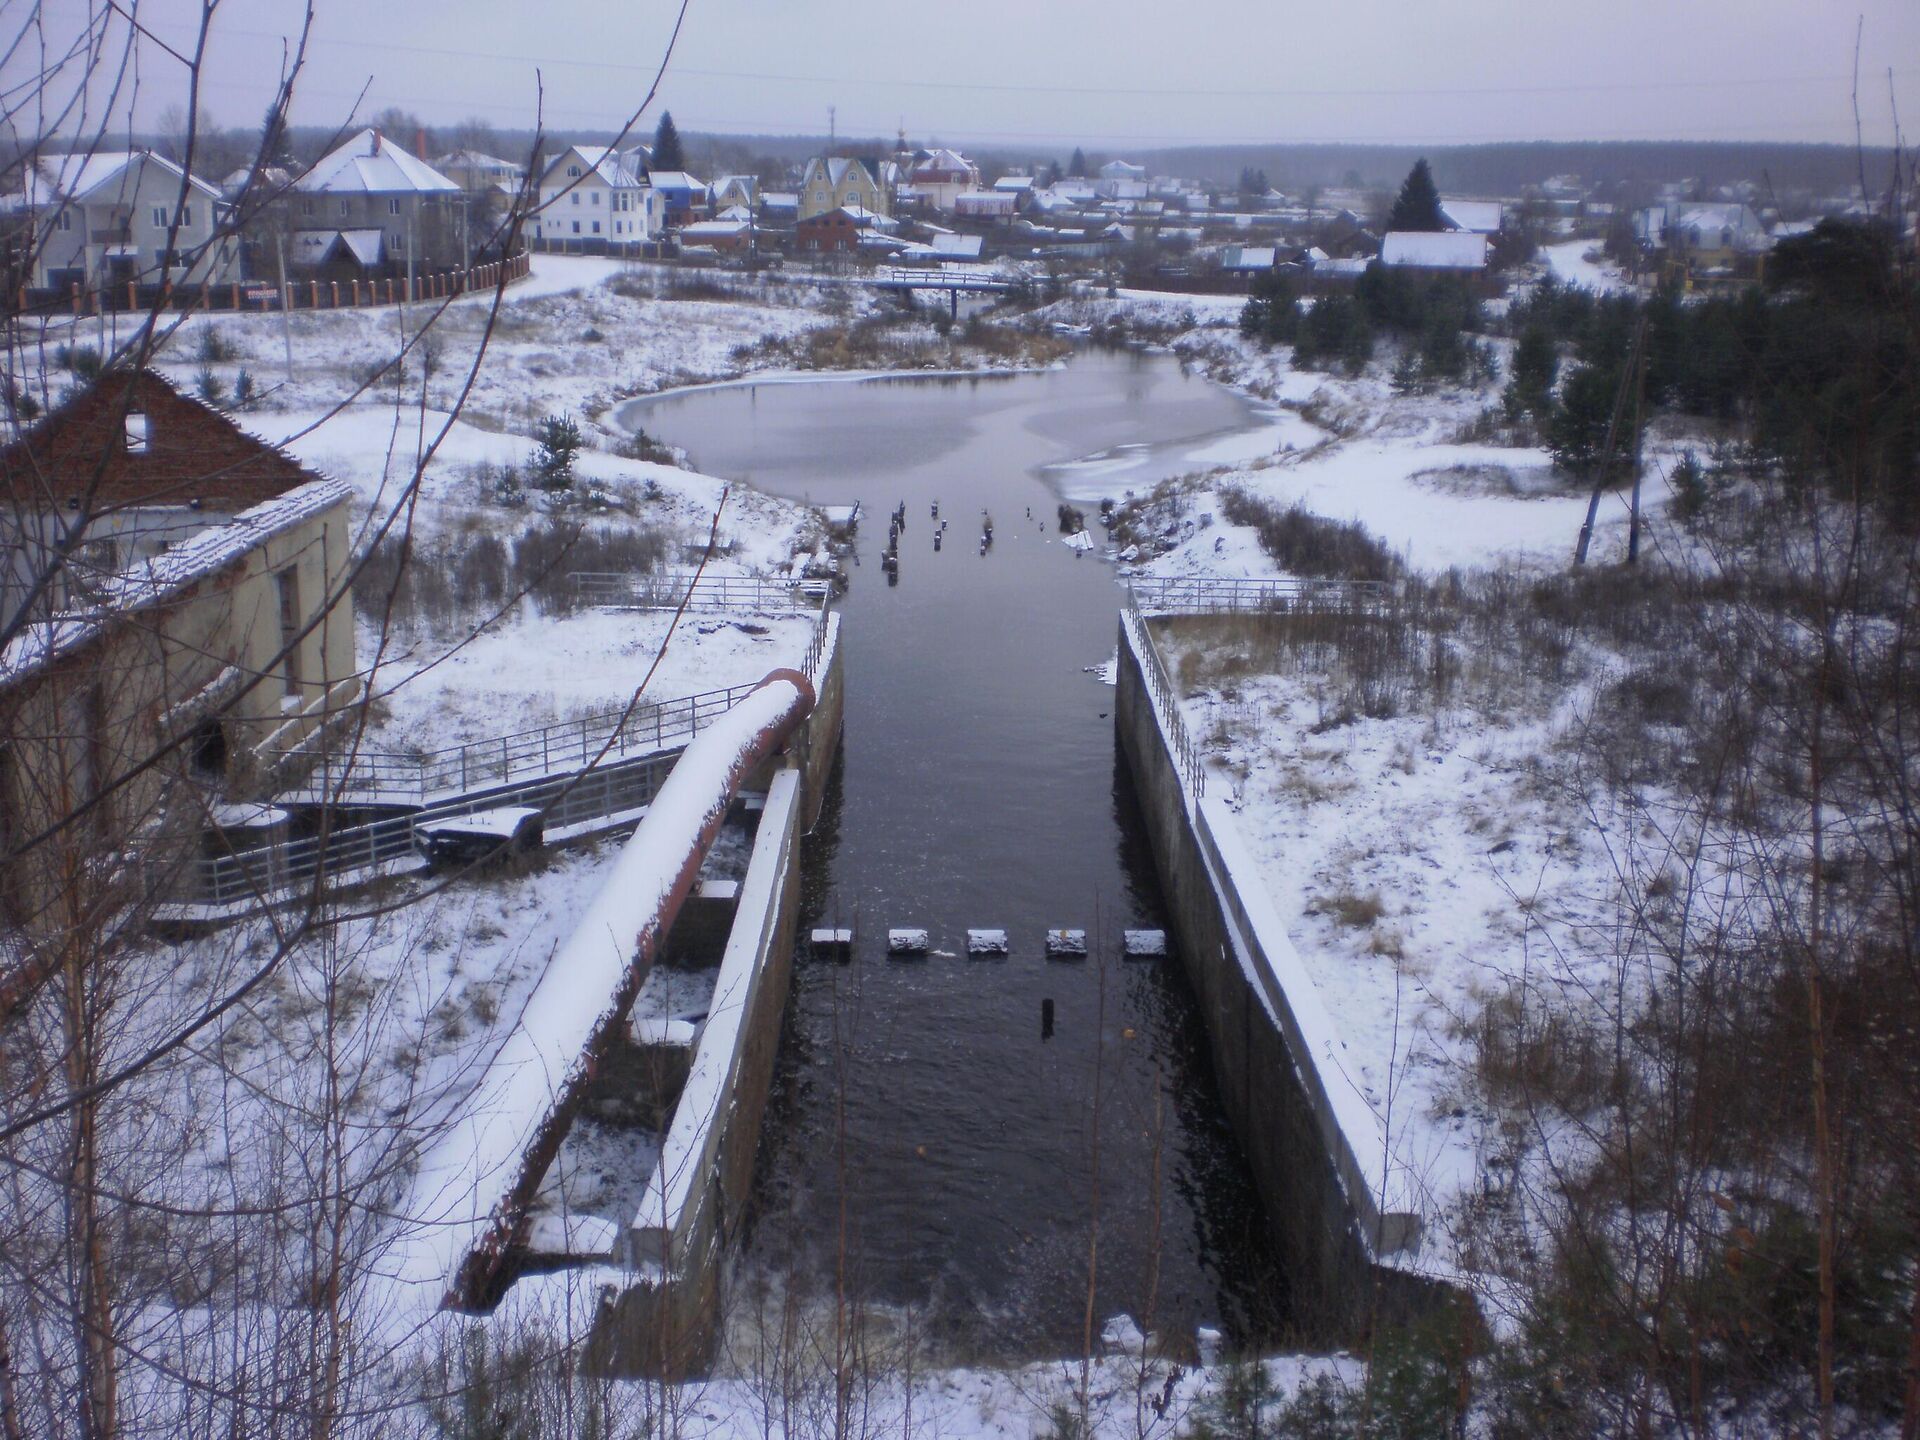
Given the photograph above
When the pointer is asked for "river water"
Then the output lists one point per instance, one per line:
(927, 1138)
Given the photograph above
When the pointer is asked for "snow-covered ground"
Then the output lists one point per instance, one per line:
(1423, 860)
(1581, 263)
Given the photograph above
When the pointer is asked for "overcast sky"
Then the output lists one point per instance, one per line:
(1117, 75)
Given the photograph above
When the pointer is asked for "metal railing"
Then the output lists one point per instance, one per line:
(666, 589)
(1212, 595)
(1164, 695)
(267, 871)
(386, 777)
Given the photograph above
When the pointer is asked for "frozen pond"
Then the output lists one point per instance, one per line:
(981, 787)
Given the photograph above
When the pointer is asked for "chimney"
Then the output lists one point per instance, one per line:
(376, 143)
(420, 142)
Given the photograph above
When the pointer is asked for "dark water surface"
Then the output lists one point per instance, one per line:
(980, 785)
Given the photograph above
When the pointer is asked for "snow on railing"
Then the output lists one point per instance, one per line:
(385, 776)
(668, 589)
(1218, 594)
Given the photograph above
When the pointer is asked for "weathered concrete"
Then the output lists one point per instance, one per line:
(1328, 1229)
(667, 1324)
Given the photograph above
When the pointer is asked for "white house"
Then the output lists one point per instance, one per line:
(371, 203)
(941, 176)
(104, 219)
(594, 199)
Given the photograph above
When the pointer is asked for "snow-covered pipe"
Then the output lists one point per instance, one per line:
(474, 1184)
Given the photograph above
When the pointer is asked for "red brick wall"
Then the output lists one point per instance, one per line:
(192, 453)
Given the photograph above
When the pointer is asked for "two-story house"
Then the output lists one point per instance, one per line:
(373, 208)
(103, 219)
(940, 176)
(596, 201)
(837, 182)
(177, 621)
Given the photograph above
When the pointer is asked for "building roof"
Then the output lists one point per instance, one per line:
(55, 179)
(1014, 184)
(944, 162)
(1247, 257)
(1483, 217)
(602, 160)
(371, 164)
(476, 160)
(1435, 250)
(315, 247)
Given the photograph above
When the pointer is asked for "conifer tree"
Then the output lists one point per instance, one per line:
(667, 151)
(1077, 166)
(1418, 207)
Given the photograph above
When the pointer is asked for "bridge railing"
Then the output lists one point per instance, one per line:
(1212, 595)
(261, 874)
(1165, 696)
(368, 776)
(666, 589)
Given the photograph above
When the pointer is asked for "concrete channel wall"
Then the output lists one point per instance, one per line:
(667, 1323)
(1316, 1149)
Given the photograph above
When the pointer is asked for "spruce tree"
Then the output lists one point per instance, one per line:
(274, 148)
(667, 151)
(1077, 166)
(1418, 207)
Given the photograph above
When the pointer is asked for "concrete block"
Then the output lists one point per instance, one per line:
(1144, 944)
(1067, 944)
(906, 940)
(987, 942)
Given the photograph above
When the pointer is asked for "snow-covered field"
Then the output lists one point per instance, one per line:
(1581, 263)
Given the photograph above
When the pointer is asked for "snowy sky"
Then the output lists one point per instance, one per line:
(1125, 73)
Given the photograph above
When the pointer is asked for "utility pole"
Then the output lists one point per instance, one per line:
(1606, 452)
(1639, 412)
(286, 299)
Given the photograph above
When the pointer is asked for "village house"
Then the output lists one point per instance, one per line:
(731, 232)
(1462, 251)
(733, 191)
(940, 176)
(683, 197)
(1478, 217)
(180, 624)
(593, 201)
(844, 230)
(102, 221)
(371, 208)
(836, 181)
(1690, 243)
(478, 173)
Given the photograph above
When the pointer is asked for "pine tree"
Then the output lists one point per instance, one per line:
(274, 149)
(557, 441)
(1418, 207)
(667, 151)
(1077, 166)
(1530, 388)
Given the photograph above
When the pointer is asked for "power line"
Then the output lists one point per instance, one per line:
(364, 44)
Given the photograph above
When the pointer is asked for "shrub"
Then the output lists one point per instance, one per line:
(209, 386)
(215, 347)
(557, 441)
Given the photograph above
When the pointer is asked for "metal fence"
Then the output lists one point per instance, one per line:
(666, 589)
(1211, 595)
(347, 853)
(384, 777)
(1165, 696)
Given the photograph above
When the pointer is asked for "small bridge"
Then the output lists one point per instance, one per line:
(956, 281)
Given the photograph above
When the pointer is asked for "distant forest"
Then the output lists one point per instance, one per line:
(1630, 167)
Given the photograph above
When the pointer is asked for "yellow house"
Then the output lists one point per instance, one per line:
(835, 182)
